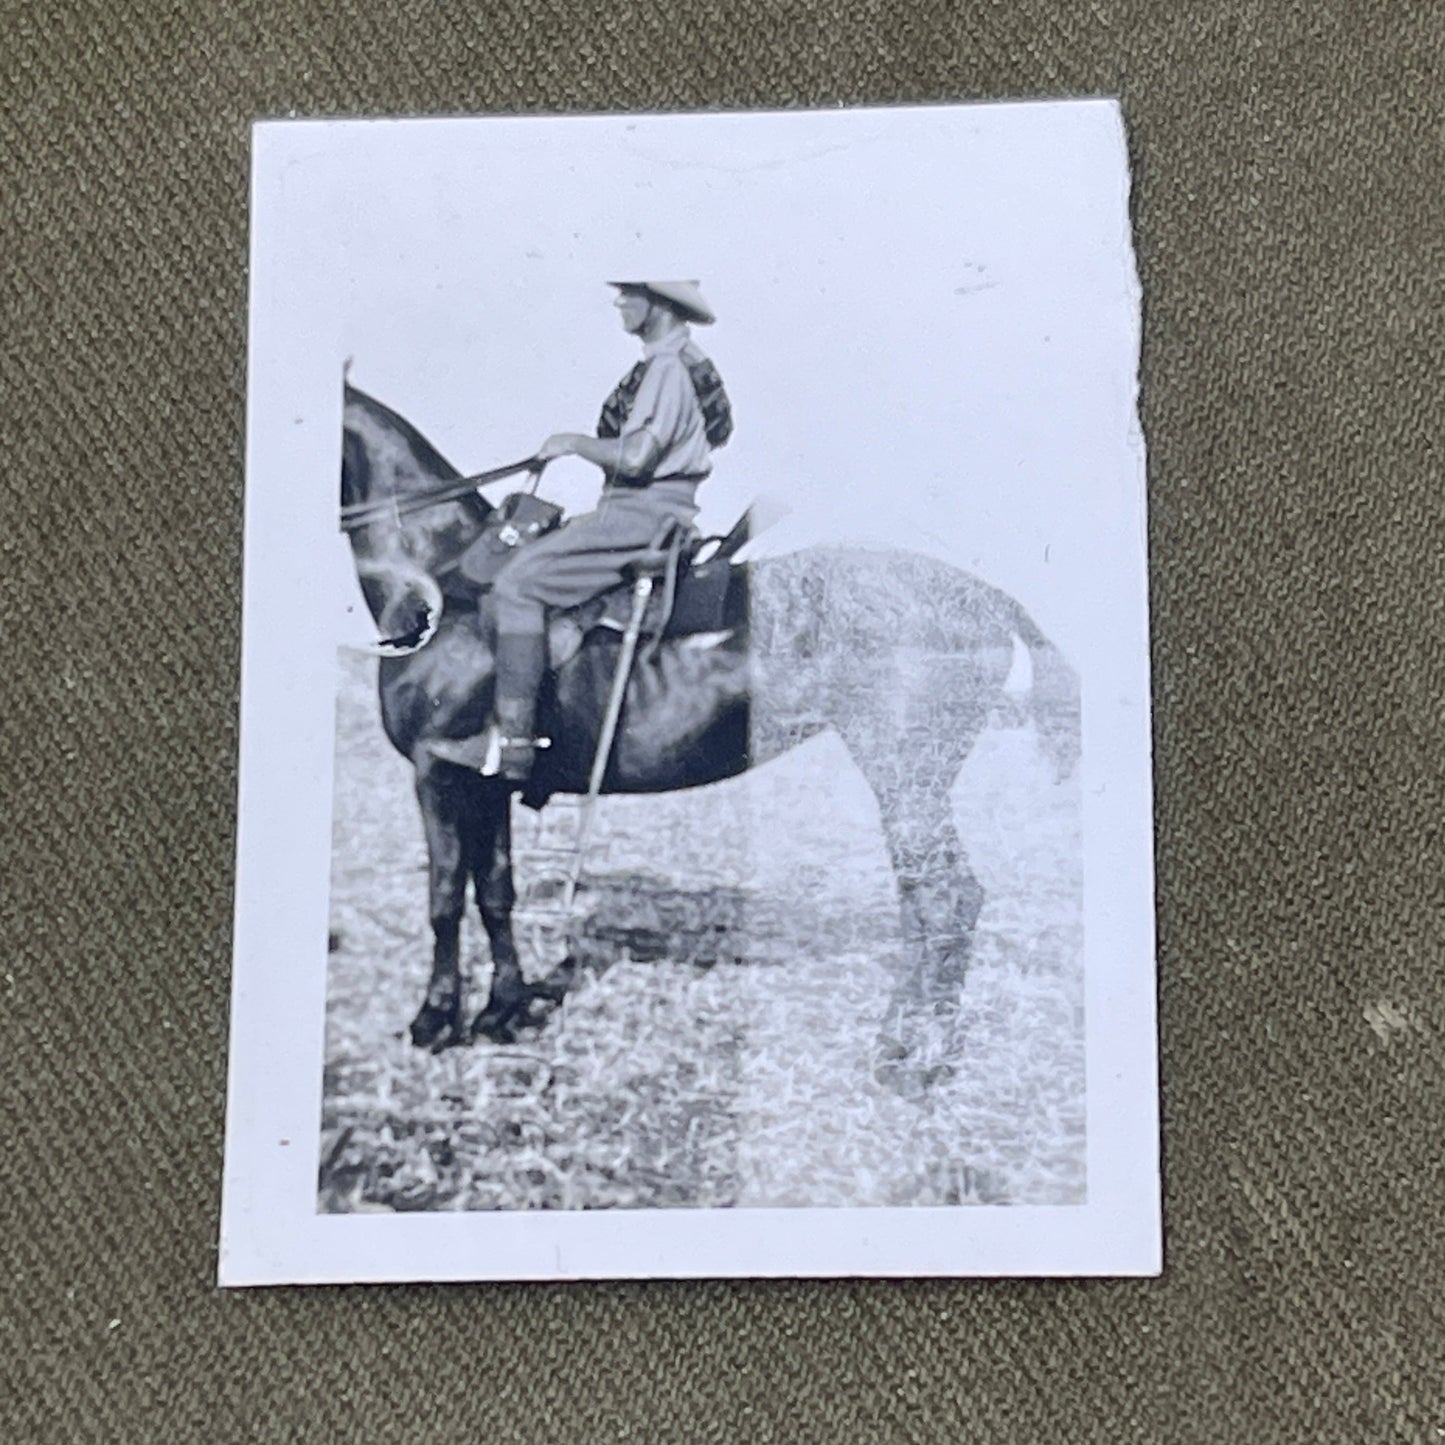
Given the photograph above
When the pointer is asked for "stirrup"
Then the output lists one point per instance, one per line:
(512, 758)
(491, 753)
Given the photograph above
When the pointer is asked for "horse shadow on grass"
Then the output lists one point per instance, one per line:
(631, 917)
(489, 1127)
(486, 1126)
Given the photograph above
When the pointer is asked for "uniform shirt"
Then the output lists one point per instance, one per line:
(666, 408)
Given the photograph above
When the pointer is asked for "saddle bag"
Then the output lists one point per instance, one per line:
(522, 518)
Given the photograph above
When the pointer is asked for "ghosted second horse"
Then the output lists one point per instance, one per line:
(903, 656)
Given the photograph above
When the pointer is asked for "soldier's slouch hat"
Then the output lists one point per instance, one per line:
(684, 297)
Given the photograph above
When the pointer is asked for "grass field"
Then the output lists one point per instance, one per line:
(738, 947)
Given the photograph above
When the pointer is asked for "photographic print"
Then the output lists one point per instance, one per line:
(695, 803)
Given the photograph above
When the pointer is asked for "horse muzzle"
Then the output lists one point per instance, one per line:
(407, 604)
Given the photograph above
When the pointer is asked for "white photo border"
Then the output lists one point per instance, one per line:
(304, 200)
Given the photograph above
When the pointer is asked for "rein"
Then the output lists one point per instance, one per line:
(361, 514)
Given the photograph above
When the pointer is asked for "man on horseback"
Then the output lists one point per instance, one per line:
(653, 442)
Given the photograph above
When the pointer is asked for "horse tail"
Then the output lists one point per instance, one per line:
(1053, 696)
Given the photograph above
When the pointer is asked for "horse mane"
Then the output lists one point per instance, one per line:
(399, 560)
(426, 454)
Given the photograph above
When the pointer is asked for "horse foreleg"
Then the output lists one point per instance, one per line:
(438, 1021)
(490, 860)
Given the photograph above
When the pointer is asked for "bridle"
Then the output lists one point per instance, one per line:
(355, 515)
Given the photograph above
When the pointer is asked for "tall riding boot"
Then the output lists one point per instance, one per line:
(507, 747)
(521, 663)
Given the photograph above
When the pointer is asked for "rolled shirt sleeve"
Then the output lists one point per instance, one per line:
(666, 408)
(660, 406)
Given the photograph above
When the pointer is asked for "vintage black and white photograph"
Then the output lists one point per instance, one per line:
(695, 802)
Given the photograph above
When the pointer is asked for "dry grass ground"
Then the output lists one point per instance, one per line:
(737, 950)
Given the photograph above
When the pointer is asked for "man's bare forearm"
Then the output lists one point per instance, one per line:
(631, 456)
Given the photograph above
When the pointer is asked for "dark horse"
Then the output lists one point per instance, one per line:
(905, 657)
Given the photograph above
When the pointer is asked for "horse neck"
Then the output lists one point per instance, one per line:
(384, 459)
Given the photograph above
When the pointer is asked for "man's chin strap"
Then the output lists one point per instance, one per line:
(660, 319)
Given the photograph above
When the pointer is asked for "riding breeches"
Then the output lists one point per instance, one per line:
(586, 557)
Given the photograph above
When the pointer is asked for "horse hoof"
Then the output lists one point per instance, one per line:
(529, 1007)
(891, 1050)
(548, 994)
(907, 1082)
(435, 1029)
(495, 1024)
(909, 1079)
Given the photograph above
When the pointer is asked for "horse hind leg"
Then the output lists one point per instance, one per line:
(911, 771)
(939, 901)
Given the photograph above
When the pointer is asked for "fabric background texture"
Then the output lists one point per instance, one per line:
(1289, 222)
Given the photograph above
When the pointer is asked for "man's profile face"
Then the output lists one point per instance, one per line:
(633, 306)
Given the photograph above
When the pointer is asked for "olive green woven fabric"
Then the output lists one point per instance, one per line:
(1289, 209)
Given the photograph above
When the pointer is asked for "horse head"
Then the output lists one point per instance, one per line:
(399, 555)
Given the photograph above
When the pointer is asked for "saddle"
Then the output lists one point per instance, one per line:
(689, 597)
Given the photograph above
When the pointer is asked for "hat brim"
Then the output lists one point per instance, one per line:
(685, 307)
